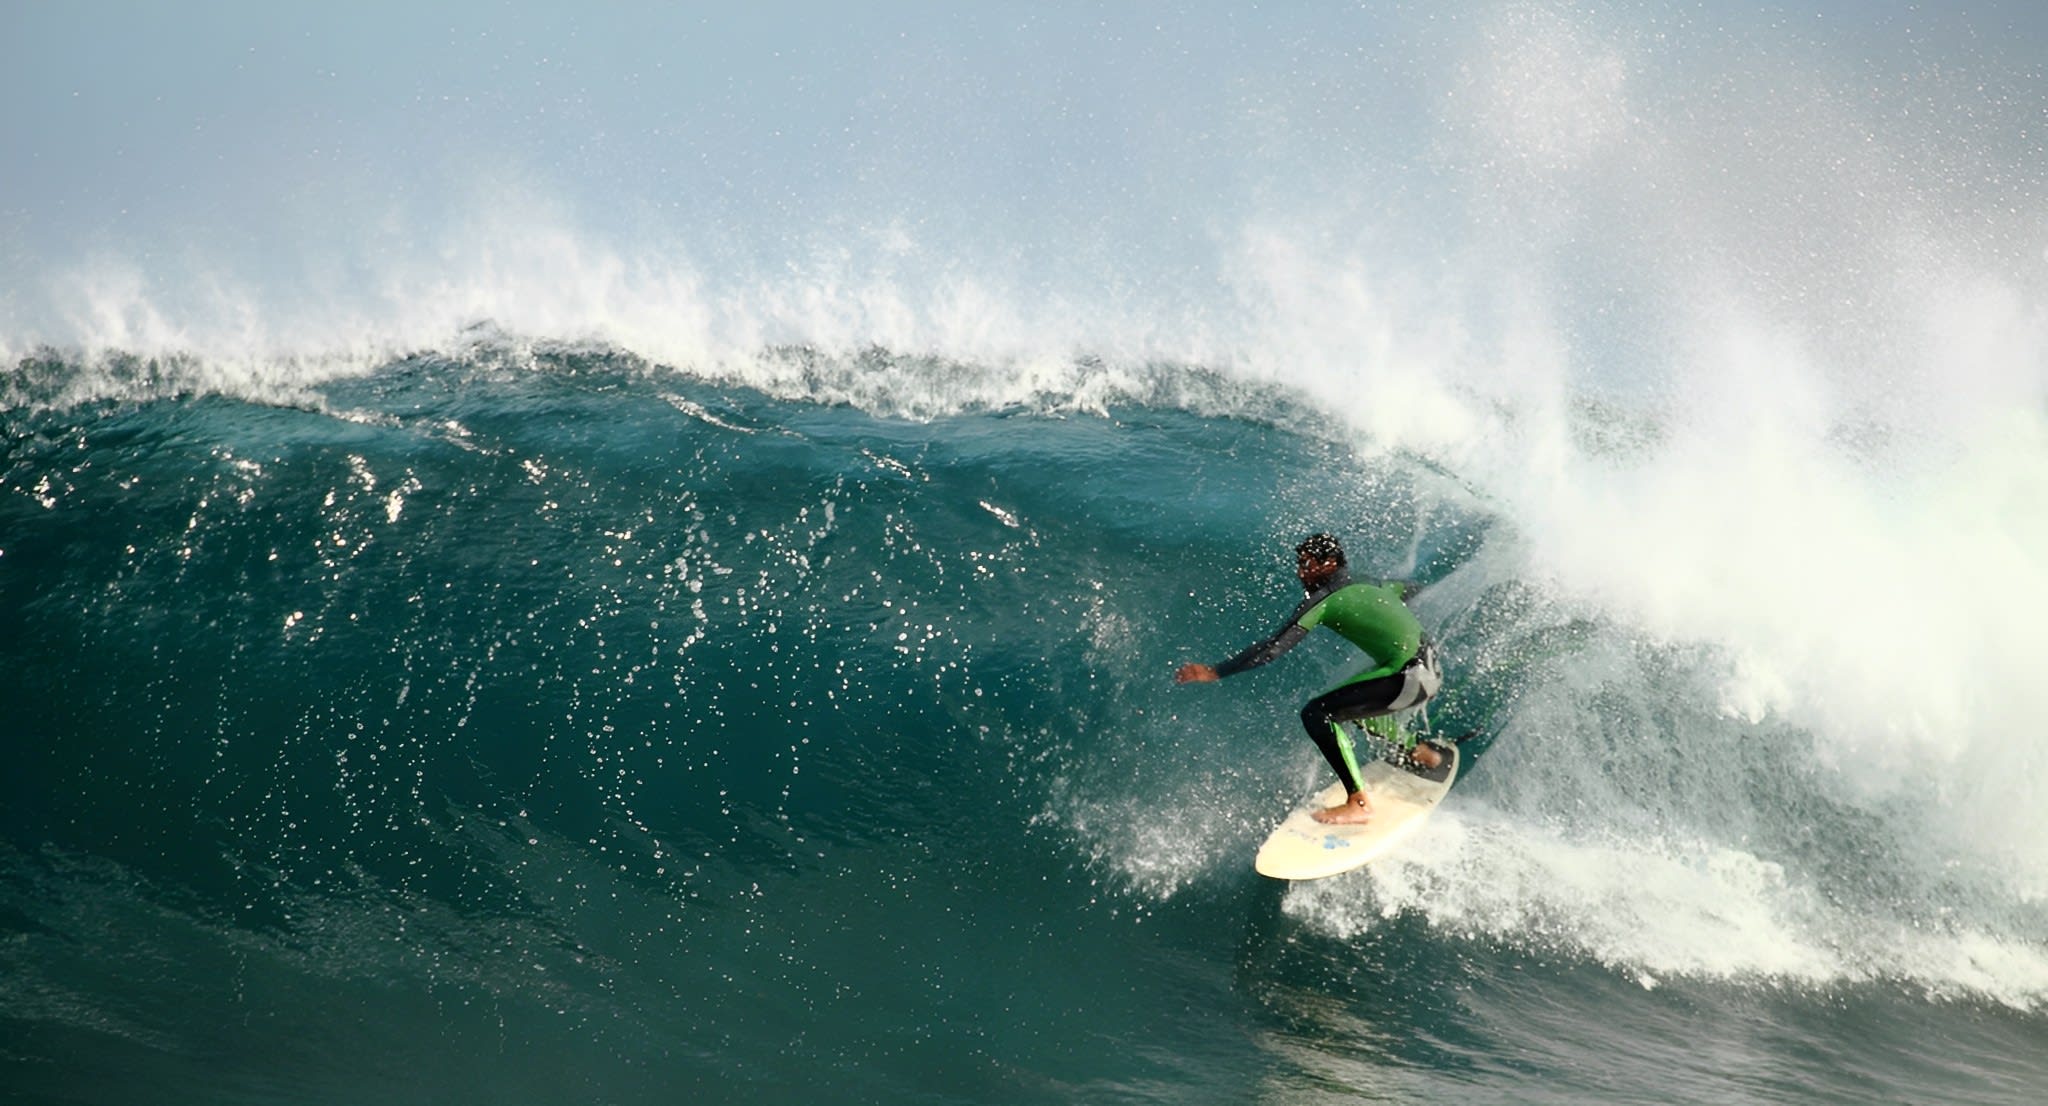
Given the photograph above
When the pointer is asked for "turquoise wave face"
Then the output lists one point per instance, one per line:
(567, 726)
(683, 714)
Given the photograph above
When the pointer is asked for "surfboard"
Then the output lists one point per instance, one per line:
(1402, 799)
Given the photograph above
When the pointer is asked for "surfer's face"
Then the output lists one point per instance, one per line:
(1314, 571)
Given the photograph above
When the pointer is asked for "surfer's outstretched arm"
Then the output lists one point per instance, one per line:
(1283, 639)
(1259, 654)
(1279, 642)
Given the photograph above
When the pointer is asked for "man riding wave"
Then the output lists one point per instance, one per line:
(1373, 617)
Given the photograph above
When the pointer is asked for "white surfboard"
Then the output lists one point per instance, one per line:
(1303, 848)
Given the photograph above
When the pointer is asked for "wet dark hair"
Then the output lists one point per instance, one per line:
(1320, 547)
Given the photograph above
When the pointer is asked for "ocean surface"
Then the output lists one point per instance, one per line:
(524, 724)
(637, 555)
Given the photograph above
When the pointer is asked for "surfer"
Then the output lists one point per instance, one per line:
(1373, 617)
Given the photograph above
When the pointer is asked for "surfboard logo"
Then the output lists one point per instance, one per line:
(1332, 841)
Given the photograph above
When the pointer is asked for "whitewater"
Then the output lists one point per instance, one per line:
(599, 633)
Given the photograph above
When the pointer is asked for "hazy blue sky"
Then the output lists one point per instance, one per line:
(261, 139)
(146, 116)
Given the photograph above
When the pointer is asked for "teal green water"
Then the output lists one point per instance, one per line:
(581, 732)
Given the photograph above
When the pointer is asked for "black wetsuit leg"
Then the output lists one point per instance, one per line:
(1348, 704)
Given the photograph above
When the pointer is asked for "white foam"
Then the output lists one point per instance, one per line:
(1831, 478)
(1659, 909)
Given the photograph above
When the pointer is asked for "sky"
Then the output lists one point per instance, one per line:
(303, 150)
(254, 117)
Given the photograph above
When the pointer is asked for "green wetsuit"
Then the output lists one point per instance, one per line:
(1370, 616)
(1403, 673)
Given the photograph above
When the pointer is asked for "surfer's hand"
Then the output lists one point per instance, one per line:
(1194, 674)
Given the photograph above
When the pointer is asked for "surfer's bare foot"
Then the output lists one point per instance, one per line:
(1353, 811)
(1425, 755)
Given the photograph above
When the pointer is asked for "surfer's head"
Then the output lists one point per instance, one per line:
(1317, 558)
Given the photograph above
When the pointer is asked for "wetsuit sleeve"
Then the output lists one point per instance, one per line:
(1286, 637)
